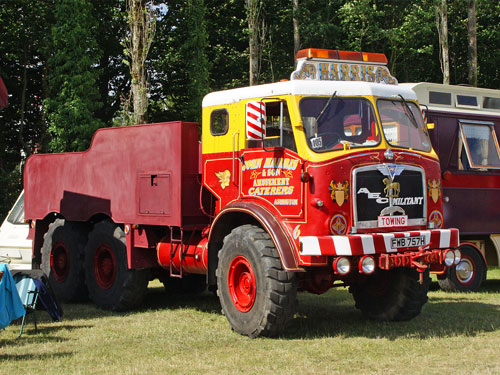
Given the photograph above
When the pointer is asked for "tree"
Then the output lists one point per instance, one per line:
(142, 23)
(24, 26)
(472, 34)
(73, 96)
(442, 26)
(255, 27)
(296, 29)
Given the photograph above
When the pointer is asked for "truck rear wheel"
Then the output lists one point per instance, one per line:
(62, 260)
(467, 275)
(258, 297)
(111, 284)
(391, 295)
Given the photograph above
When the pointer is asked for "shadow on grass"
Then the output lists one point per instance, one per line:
(441, 317)
(155, 299)
(30, 356)
(333, 315)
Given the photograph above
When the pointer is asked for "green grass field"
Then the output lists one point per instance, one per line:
(455, 334)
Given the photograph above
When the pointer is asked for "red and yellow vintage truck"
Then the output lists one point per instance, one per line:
(327, 179)
(466, 127)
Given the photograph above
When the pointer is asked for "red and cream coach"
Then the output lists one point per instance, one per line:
(326, 179)
(465, 130)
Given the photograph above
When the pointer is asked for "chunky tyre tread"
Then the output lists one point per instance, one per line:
(403, 299)
(280, 289)
(130, 291)
(74, 235)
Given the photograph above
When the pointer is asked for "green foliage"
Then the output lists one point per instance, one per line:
(74, 99)
(179, 62)
(65, 68)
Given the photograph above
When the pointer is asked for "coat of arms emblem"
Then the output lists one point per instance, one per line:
(223, 178)
(434, 188)
(339, 192)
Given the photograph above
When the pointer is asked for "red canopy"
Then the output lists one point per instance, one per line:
(4, 99)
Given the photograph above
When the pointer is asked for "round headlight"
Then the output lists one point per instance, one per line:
(342, 265)
(367, 265)
(458, 256)
(449, 257)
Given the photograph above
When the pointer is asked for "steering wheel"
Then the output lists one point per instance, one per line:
(330, 139)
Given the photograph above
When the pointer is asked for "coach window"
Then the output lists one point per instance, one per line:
(219, 122)
(478, 146)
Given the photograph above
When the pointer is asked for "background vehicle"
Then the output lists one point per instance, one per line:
(297, 185)
(465, 136)
(15, 247)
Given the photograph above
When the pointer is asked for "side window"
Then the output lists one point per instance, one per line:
(219, 122)
(16, 215)
(478, 146)
(279, 131)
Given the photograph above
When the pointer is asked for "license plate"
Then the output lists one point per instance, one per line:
(414, 241)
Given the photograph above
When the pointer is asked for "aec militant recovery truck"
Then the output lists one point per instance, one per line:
(315, 182)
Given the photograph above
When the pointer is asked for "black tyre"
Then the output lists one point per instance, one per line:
(394, 295)
(188, 284)
(111, 284)
(258, 297)
(467, 275)
(62, 260)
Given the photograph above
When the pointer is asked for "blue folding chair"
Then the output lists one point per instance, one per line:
(28, 292)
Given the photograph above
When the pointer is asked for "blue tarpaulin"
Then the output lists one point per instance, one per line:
(11, 306)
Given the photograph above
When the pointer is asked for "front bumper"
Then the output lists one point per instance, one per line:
(375, 243)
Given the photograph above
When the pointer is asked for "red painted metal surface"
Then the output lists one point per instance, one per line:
(146, 174)
(105, 266)
(193, 254)
(472, 195)
(59, 262)
(242, 284)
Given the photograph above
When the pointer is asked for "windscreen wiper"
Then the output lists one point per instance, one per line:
(326, 106)
(409, 113)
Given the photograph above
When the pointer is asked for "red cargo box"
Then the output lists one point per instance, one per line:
(145, 174)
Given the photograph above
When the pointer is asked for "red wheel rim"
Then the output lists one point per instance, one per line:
(59, 262)
(241, 282)
(104, 266)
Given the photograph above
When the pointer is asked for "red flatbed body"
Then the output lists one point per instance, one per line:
(145, 174)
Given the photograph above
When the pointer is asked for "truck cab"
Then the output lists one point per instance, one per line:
(338, 150)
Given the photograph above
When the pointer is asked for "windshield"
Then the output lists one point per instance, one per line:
(329, 123)
(403, 125)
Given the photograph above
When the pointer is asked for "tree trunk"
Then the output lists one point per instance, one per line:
(142, 28)
(253, 9)
(296, 32)
(472, 32)
(442, 26)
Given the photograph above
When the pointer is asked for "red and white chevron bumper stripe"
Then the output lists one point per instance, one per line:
(377, 243)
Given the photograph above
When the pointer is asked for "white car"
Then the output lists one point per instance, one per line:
(15, 248)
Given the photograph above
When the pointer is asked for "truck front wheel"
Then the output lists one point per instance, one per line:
(258, 296)
(62, 260)
(391, 295)
(111, 284)
(467, 275)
